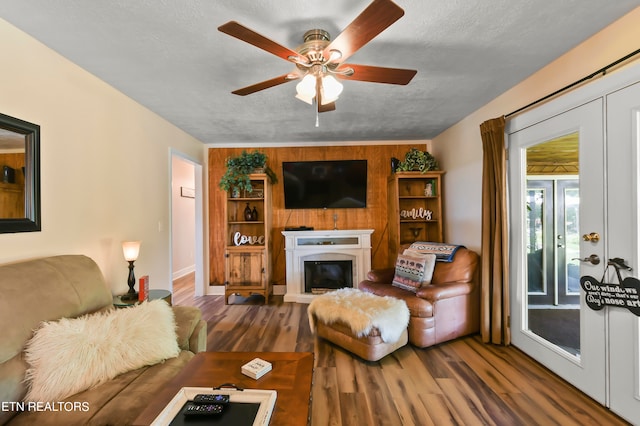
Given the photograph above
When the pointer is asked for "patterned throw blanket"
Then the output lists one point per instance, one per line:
(444, 252)
(361, 311)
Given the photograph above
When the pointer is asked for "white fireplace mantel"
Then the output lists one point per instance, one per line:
(354, 244)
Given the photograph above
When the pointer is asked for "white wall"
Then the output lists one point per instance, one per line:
(105, 163)
(459, 148)
(182, 218)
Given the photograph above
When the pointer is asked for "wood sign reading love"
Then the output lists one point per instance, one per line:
(239, 239)
(626, 294)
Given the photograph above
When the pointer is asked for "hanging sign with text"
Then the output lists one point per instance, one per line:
(623, 295)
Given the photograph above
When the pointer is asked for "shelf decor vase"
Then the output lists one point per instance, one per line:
(247, 213)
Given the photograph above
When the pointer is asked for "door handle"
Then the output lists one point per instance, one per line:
(593, 259)
(594, 237)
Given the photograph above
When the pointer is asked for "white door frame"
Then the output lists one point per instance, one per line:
(623, 156)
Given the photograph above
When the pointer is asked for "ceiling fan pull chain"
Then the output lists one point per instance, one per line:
(317, 116)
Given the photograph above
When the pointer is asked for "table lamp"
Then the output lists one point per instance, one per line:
(131, 249)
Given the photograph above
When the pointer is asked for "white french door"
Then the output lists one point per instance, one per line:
(623, 130)
(604, 117)
(553, 274)
(582, 366)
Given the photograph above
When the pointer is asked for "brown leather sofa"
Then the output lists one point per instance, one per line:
(446, 309)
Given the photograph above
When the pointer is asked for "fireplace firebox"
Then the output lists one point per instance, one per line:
(321, 276)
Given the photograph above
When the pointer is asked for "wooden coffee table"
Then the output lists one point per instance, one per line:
(291, 377)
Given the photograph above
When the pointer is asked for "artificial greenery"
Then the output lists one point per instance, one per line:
(239, 168)
(416, 160)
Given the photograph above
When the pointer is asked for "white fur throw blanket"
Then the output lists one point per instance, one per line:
(362, 312)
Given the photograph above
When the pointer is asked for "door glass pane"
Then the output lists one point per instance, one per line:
(535, 240)
(552, 226)
(541, 240)
(572, 232)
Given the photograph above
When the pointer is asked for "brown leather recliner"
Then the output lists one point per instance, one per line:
(446, 309)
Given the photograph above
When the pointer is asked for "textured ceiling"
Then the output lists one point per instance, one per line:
(169, 56)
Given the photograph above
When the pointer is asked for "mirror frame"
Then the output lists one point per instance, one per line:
(31, 132)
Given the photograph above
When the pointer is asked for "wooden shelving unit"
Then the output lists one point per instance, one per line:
(248, 241)
(415, 214)
(12, 200)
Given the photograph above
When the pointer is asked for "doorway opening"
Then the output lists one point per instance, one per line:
(187, 250)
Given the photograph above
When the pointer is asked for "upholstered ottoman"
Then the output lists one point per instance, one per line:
(366, 325)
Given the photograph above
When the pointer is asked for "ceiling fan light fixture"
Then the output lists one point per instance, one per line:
(331, 89)
(307, 87)
(305, 98)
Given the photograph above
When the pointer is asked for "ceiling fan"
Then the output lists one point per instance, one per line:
(319, 61)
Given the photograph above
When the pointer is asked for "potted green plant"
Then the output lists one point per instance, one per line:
(416, 160)
(236, 178)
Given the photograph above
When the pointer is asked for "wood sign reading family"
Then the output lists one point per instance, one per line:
(416, 214)
(626, 294)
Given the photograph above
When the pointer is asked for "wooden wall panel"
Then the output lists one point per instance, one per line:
(15, 161)
(373, 217)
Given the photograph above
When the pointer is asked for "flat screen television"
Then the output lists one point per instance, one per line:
(334, 184)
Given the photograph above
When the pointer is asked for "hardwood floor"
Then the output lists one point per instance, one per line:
(463, 382)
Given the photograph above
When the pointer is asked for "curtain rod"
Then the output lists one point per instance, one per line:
(602, 71)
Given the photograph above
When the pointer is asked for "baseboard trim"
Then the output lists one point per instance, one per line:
(215, 290)
(184, 271)
(218, 290)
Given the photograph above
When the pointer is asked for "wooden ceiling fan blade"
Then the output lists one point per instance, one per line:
(331, 106)
(378, 74)
(281, 79)
(243, 33)
(372, 21)
(323, 107)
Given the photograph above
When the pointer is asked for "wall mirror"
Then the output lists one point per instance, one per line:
(19, 175)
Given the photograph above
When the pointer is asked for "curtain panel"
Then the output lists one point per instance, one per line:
(494, 252)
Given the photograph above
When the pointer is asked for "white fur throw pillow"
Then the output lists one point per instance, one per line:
(71, 355)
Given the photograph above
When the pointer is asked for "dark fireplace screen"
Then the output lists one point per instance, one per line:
(321, 276)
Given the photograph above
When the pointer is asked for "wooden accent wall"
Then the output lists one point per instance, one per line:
(12, 194)
(15, 161)
(373, 217)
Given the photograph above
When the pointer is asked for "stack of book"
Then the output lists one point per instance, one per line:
(256, 368)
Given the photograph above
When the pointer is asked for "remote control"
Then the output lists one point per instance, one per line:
(203, 409)
(207, 398)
